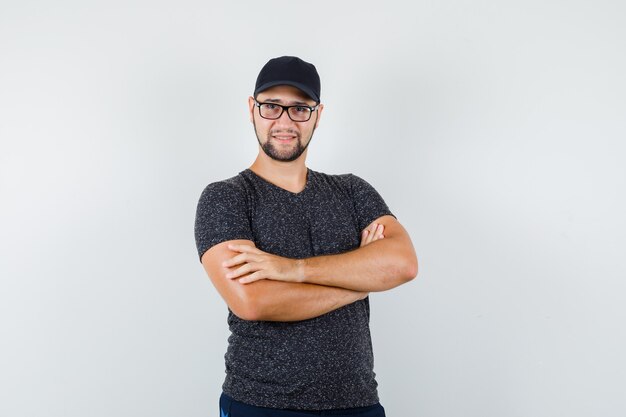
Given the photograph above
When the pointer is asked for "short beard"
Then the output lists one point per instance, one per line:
(271, 151)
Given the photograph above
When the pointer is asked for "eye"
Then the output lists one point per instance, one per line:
(301, 109)
(269, 106)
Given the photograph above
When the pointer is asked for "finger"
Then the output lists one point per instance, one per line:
(235, 260)
(240, 259)
(243, 248)
(242, 270)
(375, 234)
(379, 231)
(364, 234)
(372, 233)
(255, 276)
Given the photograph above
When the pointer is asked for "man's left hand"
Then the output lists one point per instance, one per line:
(256, 264)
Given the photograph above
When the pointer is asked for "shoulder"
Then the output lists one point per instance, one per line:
(233, 187)
(342, 180)
(222, 214)
(350, 182)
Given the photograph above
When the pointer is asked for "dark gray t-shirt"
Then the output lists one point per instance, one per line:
(321, 363)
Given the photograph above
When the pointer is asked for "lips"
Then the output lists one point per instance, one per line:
(283, 138)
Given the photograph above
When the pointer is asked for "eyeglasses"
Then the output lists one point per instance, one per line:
(273, 111)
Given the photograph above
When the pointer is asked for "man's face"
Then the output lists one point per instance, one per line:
(283, 139)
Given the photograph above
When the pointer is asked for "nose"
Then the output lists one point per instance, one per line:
(284, 118)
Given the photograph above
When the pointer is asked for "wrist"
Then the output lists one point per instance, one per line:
(300, 269)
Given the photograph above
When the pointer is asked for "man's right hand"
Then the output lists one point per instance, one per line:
(372, 233)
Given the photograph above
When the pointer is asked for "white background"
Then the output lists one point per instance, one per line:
(494, 130)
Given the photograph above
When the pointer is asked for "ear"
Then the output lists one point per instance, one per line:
(251, 108)
(319, 115)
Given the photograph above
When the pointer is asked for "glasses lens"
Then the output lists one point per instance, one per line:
(300, 113)
(270, 111)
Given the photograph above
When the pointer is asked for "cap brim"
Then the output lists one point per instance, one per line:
(299, 86)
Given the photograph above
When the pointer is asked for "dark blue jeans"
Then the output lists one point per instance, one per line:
(232, 408)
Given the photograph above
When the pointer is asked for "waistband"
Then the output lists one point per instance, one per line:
(230, 407)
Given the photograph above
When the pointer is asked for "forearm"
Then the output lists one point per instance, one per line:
(286, 301)
(379, 266)
(272, 300)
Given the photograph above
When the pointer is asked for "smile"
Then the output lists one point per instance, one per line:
(284, 138)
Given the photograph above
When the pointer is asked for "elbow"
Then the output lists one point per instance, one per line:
(254, 304)
(412, 270)
(402, 270)
(252, 311)
(405, 264)
(409, 269)
(247, 307)
(247, 313)
(249, 316)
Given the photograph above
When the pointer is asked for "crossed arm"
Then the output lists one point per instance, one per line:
(260, 286)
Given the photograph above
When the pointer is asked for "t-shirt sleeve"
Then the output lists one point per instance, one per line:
(368, 204)
(221, 215)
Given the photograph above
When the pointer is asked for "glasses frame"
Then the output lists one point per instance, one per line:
(283, 108)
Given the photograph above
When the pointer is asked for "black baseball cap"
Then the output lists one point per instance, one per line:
(289, 70)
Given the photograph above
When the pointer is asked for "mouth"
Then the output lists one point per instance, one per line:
(284, 138)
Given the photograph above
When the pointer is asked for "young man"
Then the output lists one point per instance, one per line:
(295, 253)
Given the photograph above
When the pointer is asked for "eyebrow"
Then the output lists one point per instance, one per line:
(294, 103)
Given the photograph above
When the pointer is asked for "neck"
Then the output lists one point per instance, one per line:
(288, 175)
